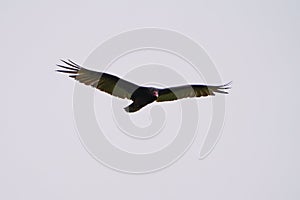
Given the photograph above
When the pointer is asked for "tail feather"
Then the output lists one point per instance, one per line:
(133, 107)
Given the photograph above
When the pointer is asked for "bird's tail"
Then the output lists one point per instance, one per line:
(132, 108)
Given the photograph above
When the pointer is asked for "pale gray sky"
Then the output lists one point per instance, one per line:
(254, 43)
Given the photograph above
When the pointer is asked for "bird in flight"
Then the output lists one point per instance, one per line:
(140, 95)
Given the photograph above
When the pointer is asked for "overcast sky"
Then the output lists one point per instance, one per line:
(254, 43)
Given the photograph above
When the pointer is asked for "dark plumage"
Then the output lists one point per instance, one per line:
(141, 96)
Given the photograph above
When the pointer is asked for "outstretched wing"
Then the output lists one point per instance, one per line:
(185, 91)
(105, 82)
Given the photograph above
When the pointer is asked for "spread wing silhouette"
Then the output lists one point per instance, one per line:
(185, 91)
(105, 82)
(140, 95)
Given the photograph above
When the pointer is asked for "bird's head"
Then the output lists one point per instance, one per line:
(154, 92)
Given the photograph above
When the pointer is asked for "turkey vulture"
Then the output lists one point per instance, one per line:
(140, 95)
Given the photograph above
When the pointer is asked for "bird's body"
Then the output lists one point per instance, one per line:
(140, 95)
